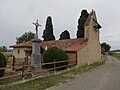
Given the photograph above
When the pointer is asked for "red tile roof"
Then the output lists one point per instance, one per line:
(69, 45)
(25, 44)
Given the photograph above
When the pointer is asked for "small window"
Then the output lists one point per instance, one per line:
(18, 51)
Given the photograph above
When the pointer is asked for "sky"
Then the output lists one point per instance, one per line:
(17, 16)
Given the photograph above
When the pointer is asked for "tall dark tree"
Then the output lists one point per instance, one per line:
(105, 47)
(81, 22)
(64, 35)
(27, 36)
(48, 32)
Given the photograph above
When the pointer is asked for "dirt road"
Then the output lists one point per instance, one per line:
(105, 77)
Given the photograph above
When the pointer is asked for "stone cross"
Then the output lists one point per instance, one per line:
(37, 25)
(36, 55)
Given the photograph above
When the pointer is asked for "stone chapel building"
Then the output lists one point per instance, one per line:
(80, 51)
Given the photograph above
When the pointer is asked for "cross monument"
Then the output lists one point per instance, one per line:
(36, 52)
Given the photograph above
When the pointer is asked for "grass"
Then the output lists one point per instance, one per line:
(116, 55)
(85, 68)
(10, 80)
(46, 82)
(40, 83)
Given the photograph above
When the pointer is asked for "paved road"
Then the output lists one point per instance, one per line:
(105, 77)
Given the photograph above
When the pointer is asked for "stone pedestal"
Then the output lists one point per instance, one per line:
(36, 55)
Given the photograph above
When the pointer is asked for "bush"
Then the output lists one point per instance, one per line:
(110, 53)
(3, 63)
(54, 53)
(102, 51)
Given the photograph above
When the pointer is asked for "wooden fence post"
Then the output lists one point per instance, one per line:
(54, 68)
(68, 69)
(23, 67)
(13, 63)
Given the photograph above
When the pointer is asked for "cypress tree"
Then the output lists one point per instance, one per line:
(48, 32)
(81, 22)
(64, 35)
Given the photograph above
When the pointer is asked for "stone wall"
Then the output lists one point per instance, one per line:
(82, 56)
(93, 45)
(72, 58)
(91, 52)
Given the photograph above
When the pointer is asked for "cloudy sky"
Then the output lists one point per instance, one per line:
(17, 16)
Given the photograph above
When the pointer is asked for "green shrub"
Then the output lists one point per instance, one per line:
(54, 53)
(3, 63)
(102, 51)
(110, 53)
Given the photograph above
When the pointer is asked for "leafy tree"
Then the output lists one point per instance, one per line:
(81, 22)
(54, 53)
(105, 47)
(27, 36)
(3, 63)
(48, 32)
(65, 35)
(3, 49)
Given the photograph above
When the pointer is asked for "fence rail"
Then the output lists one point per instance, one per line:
(23, 67)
